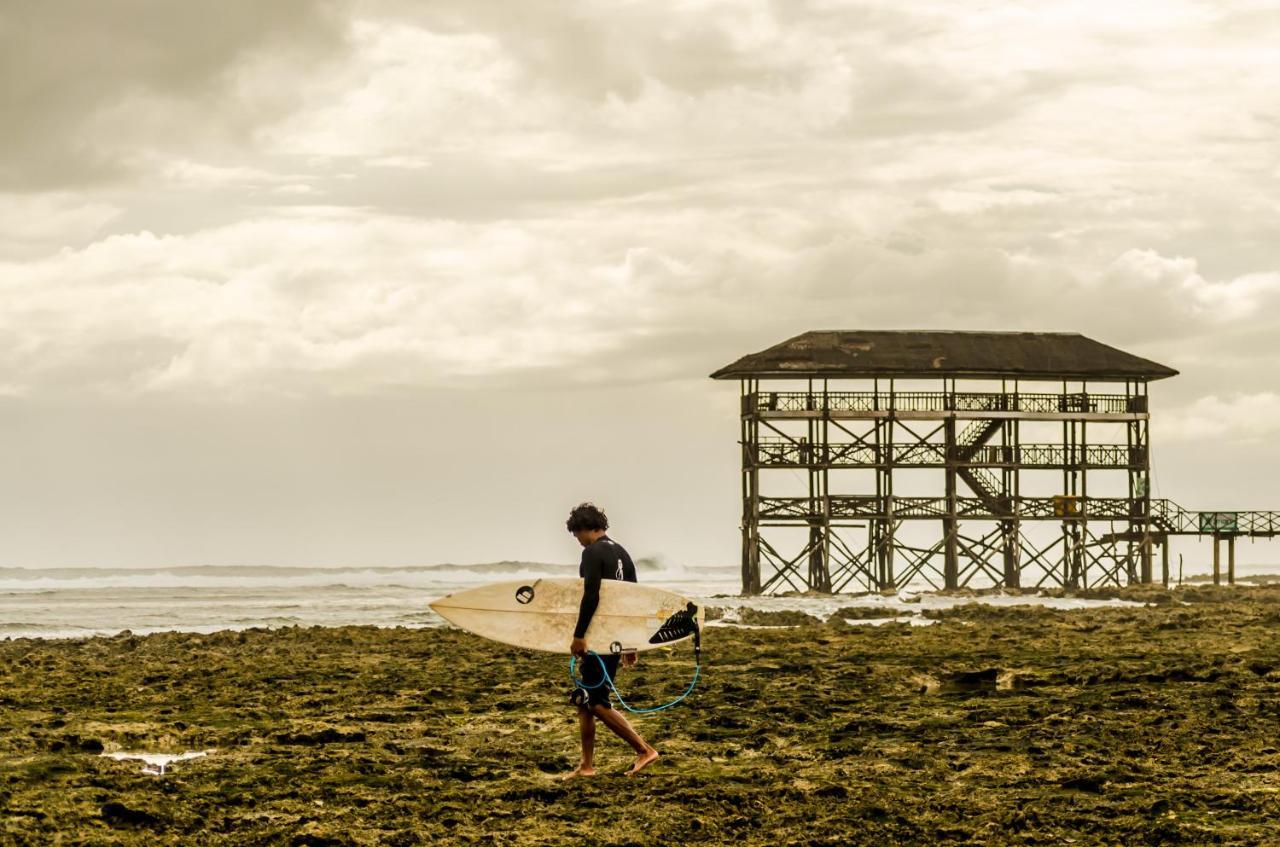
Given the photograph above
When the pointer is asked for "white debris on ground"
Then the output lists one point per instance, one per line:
(157, 764)
(910, 620)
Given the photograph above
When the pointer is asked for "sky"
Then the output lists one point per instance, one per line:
(320, 282)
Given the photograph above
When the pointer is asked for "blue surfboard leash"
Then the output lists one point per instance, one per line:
(582, 687)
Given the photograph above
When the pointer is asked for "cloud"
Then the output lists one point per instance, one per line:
(316, 300)
(326, 302)
(1244, 418)
(363, 207)
(33, 225)
(92, 88)
(323, 197)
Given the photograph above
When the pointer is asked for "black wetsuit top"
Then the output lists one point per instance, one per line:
(603, 559)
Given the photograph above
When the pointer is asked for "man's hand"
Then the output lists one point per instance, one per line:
(578, 647)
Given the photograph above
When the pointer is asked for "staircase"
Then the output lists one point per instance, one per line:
(1167, 516)
(987, 487)
(983, 482)
(974, 436)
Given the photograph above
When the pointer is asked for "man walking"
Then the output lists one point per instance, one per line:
(602, 558)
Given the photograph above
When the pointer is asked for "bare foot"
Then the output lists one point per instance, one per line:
(581, 770)
(643, 761)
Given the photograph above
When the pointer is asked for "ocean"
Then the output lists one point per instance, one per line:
(78, 602)
(82, 602)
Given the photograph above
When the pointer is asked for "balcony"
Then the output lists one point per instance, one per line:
(804, 510)
(872, 404)
(786, 453)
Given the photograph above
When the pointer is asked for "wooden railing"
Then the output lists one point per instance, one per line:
(941, 401)
(783, 452)
(1165, 516)
(1170, 517)
(870, 506)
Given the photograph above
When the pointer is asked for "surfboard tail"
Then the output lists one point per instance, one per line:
(680, 625)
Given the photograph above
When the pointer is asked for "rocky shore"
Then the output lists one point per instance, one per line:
(1139, 725)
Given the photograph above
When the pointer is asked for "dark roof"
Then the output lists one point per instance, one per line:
(833, 354)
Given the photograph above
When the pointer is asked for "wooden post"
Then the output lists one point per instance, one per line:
(750, 494)
(819, 521)
(819, 579)
(824, 456)
(1013, 565)
(746, 492)
(1066, 580)
(1143, 443)
(1231, 560)
(889, 539)
(951, 565)
(1010, 538)
(1217, 561)
(882, 528)
(1008, 528)
(1164, 561)
(1079, 445)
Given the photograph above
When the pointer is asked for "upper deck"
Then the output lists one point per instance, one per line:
(854, 405)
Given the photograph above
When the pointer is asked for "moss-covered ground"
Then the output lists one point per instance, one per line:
(1151, 725)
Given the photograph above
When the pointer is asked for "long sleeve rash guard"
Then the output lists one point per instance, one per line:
(603, 559)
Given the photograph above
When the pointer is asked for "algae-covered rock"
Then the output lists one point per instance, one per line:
(866, 613)
(1006, 725)
(760, 617)
(118, 814)
(322, 735)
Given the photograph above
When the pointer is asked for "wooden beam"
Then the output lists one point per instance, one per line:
(1217, 561)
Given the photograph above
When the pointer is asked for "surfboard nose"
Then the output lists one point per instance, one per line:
(439, 601)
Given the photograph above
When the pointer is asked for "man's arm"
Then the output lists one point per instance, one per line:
(590, 601)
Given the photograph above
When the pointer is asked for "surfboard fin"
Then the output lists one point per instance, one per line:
(680, 625)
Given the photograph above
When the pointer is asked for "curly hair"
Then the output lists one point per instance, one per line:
(586, 516)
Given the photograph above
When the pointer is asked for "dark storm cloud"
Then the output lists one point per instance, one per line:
(87, 87)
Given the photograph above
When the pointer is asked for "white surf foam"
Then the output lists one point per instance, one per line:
(904, 605)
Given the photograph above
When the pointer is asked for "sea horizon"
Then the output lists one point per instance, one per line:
(74, 602)
(77, 602)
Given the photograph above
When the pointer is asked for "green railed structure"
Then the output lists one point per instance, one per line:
(874, 459)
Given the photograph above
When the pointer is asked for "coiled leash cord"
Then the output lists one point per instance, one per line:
(579, 696)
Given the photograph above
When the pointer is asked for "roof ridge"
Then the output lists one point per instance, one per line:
(829, 353)
(946, 332)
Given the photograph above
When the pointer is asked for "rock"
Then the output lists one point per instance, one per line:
(965, 682)
(759, 617)
(867, 613)
(328, 735)
(91, 745)
(118, 814)
(1087, 784)
(313, 839)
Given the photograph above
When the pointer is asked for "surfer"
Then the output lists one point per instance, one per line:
(602, 558)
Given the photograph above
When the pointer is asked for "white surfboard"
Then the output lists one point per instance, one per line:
(541, 614)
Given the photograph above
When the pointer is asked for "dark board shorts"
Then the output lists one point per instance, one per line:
(589, 668)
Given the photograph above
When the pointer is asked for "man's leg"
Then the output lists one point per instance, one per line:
(645, 755)
(587, 727)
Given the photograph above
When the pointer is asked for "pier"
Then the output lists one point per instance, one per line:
(874, 459)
